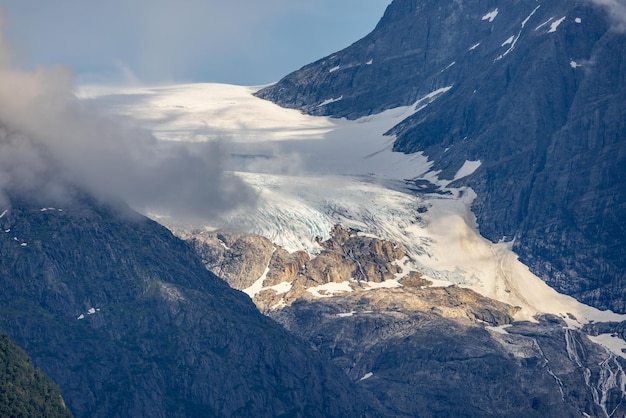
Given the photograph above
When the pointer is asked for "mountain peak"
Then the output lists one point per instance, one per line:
(535, 94)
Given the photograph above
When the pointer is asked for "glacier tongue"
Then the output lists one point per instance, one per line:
(315, 172)
(294, 212)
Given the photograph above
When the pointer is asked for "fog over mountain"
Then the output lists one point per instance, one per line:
(616, 10)
(51, 141)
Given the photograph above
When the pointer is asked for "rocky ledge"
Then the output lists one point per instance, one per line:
(365, 270)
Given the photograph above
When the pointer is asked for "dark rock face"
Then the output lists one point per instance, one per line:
(129, 323)
(421, 364)
(537, 95)
(237, 258)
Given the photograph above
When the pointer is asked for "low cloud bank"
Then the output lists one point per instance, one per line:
(51, 142)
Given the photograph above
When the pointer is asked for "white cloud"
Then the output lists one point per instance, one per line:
(50, 140)
(616, 10)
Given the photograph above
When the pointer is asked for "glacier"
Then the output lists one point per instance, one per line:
(313, 172)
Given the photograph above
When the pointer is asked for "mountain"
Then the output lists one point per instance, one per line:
(373, 258)
(124, 317)
(532, 92)
(24, 390)
(420, 349)
(385, 278)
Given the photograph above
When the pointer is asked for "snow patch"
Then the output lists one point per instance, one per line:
(544, 23)
(513, 39)
(336, 68)
(529, 16)
(468, 167)
(257, 286)
(556, 24)
(458, 253)
(387, 284)
(612, 343)
(509, 41)
(281, 304)
(499, 330)
(491, 15)
(90, 311)
(243, 117)
(512, 42)
(574, 64)
(345, 314)
(578, 20)
(370, 62)
(329, 101)
(280, 288)
(24, 244)
(50, 209)
(328, 290)
(429, 98)
(405, 266)
(367, 376)
(449, 65)
(3, 213)
(473, 47)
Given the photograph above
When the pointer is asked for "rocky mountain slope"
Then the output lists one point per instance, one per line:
(423, 350)
(129, 323)
(534, 90)
(422, 364)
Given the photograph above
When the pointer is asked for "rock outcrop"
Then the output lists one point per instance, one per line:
(237, 258)
(423, 350)
(369, 269)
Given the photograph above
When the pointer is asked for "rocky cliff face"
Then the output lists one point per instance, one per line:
(347, 259)
(421, 364)
(129, 323)
(423, 350)
(534, 90)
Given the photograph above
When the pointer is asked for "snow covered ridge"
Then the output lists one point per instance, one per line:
(314, 172)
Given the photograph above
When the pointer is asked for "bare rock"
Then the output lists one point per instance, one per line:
(240, 259)
(415, 280)
(285, 266)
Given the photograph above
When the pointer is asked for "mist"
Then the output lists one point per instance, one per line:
(616, 10)
(51, 142)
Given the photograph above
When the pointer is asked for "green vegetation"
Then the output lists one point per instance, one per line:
(24, 390)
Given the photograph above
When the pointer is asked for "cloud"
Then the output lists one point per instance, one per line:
(51, 142)
(616, 10)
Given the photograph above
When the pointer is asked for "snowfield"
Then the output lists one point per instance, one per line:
(314, 172)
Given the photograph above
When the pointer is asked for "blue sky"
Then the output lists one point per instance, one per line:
(247, 42)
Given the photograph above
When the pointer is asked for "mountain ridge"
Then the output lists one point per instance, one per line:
(535, 94)
(128, 322)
